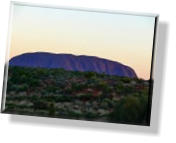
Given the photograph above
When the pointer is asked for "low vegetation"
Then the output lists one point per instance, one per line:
(76, 95)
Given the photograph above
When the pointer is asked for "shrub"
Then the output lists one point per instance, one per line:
(78, 86)
(51, 109)
(89, 74)
(130, 109)
(62, 98)
(39, 104)
(33, 82)
(51, 88)
(119, 87)
(22, 87)
(85, 97)
(125, 79)
(89, 115)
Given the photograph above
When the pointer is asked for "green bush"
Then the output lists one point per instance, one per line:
(51, 109)
(89, 74)
(78, 86)
(33, 82)
(39, 104)
(85, 97)
(89, 115)
(51, 88)
(125, 79)
(130, 109)
(23, 87)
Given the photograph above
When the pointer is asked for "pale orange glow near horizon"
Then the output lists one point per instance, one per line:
(124, 38)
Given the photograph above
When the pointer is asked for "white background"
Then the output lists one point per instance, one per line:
(25, 129)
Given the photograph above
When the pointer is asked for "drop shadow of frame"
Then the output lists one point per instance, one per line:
(153, 129)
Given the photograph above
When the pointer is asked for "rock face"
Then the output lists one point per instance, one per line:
(73, 63)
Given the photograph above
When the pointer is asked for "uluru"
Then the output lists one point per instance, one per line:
(72, 63)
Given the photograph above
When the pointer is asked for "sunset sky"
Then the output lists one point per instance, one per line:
(124, 38)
